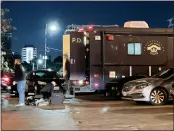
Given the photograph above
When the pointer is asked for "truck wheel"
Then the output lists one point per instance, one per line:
(107, 94)
(158, 96)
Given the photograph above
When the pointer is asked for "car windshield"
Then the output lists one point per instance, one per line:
(164, 74)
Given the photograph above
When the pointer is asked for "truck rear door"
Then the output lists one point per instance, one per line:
(77, 56)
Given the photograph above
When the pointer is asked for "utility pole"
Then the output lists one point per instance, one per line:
(45, 61)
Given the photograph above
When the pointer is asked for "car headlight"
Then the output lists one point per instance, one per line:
(143, 85)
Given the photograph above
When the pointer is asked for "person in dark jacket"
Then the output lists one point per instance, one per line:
(67, 75)
(67, 67)
(20, 80)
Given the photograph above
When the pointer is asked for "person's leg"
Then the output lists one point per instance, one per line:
(67, 83)
(21, 91)
(18, 88)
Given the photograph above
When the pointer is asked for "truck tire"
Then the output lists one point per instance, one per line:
(113, 93)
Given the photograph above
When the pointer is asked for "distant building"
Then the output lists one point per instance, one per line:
(28, 53)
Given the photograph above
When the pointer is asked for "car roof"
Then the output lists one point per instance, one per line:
(42, 71)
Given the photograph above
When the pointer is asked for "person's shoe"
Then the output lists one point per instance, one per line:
(39, 101)
(67, 96)
(21, 104)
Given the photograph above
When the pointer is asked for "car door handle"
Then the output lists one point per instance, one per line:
(71, 61)
(74, 61)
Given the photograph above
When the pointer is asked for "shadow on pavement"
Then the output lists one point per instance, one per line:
(155, 110)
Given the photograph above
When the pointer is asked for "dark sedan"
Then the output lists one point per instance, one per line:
(36, 80)
(114, 87)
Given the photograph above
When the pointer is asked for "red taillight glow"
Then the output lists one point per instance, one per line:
(96, 85)
(96, 75)
(75, 82)
(5, 78)
(87, 82)
(6, 97)
(81, 30)
(90, 27)
(110, 37)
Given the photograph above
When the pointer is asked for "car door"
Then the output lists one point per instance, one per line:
(30, 79)
(40, 78)
(168, 83)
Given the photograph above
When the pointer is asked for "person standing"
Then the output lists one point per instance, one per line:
(67, 75)
(20, 80)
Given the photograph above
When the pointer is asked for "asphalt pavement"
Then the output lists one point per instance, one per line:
(89, 112)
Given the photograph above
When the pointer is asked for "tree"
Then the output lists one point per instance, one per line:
(6, 27)
(27, 66)
(58, 59)
(6, 31)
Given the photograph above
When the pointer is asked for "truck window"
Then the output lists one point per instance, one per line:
(134, 49)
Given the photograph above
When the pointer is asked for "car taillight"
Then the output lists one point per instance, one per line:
(96, 85)
(87, 82)
(110, 37)
(6, 97)
(81, 30)
(75, 82)
(96, 75)
(90, 28)
(5, 78)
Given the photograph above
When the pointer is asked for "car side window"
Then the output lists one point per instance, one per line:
(171, 78)
(40, 75)
(52, 75)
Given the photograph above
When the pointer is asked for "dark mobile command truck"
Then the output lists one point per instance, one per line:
(99, 54)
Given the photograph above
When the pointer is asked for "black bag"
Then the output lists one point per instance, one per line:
(57, 98)
(48, 88)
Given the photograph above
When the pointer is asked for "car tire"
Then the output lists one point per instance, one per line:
(158, 96)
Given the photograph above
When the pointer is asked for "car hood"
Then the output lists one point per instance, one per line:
(146, 80)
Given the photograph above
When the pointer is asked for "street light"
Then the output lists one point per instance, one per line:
(51, 27)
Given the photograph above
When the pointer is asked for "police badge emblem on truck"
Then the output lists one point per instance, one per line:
(154, 47)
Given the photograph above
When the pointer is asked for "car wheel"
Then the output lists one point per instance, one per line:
(158, 96)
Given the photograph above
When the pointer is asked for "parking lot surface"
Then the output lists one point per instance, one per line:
(89, 112)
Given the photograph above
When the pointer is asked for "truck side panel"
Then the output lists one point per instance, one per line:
(156, 52)
(153, 50)
(95, 49)
(170, 53)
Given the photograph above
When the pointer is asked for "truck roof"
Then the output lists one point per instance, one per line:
(136, 30)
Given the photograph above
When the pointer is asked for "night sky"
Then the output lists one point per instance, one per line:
(30, 17)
